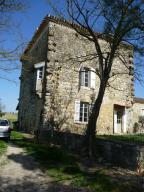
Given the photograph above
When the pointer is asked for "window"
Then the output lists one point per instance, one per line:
(39, 70)
(81, 111)
(4, 123)
(87, 77)
(84, 112)
(119, 117)
(40, 73)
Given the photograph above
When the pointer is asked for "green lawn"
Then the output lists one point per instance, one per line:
(4, 144)
(66, 168)
(125, 138)
(3, 147)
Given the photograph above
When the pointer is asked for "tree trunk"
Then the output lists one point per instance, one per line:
(92, 123)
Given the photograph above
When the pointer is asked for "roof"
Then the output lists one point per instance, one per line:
(59, 21)
(54, 19)
(139, 100)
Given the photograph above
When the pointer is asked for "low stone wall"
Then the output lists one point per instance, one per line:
(120, 154)
(114, 153)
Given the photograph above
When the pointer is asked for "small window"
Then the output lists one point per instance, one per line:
(87, 77)
(40, 72)
(81, 111)
(84, 112)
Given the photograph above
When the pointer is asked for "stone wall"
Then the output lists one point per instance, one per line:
(120, 154)
(112, 153)
(67, 52)
(30, 101)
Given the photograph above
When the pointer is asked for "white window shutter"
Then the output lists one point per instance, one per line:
(81, 79)
(93, 79)
(77, 111)
(124, 121)
(115, 121)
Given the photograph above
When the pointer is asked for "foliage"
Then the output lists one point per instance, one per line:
(125, 138)
(136, 127)
(3, 147)
(16, 135)
(141, 121)
(139, 126)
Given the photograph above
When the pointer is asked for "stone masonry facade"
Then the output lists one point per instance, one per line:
(51, 100)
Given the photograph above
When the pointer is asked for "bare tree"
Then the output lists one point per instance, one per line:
(122, 21)
(2, 108)
(8, 56)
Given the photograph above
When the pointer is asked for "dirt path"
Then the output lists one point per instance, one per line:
(19, 172)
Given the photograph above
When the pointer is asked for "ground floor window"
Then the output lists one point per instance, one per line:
(82, 110)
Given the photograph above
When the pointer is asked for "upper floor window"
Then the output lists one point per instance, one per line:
(40, 70)
(40, 73)
(87, 77)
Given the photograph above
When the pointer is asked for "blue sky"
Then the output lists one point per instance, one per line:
(26, 24)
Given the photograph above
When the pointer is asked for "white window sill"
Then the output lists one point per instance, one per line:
(87, 88)
(82, 123)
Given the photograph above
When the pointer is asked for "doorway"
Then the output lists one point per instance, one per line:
(119, 119)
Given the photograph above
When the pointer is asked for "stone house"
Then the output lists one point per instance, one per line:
(138, 115)
(59, 82)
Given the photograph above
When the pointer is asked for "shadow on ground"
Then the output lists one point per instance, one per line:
(27, 185)
(69, 173)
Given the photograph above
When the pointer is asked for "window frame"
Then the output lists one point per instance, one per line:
(84, 114)
(87, 77)
(82, 111)
(39, 66)
(40, 73)
(84, 71)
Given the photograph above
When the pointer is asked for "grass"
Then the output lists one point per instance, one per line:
(4, 144)
(3, 147)
(66, 168)
(16, 135)
(125, 138)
